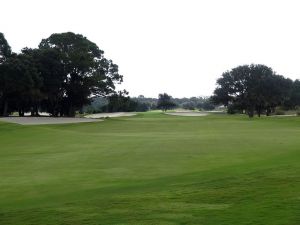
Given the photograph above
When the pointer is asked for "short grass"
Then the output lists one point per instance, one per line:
(152, 169)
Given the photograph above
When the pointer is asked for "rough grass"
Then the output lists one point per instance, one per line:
(152, 169)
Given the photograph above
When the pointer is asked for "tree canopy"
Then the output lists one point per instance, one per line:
(120, 102)
(252, 88)
(165, 102)
(59, 77)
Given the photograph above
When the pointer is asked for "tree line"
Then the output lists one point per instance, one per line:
(251, 89)
(121, 102)
(256, 89)
(58, 77)
(68, 73)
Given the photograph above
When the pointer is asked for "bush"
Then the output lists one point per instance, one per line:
(231, 109)
(234, 109)
(297, 108)
(279, 112)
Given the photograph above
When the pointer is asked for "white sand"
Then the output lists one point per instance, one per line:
(40, 113)
(115, 114)
(28, 120)
(187, 114)
(45, 120)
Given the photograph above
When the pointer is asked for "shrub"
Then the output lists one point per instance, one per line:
(279, 112)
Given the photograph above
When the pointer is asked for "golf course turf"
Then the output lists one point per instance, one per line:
(152, 169)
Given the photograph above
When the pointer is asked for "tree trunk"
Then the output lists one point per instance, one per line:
(5, 108)
(268, 112)
(55, 113)
(32, 111)
(36, 110)
(258, 112)
(71, 112)
(21, 112)
(251, 113)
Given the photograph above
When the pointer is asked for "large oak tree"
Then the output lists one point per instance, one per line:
(86, 72)
(252, 88)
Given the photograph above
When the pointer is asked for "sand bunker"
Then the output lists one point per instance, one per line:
(187, 114)
(115, 114)
(28, 120)
(45, 120)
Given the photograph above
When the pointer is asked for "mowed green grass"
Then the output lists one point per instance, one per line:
(152, 169)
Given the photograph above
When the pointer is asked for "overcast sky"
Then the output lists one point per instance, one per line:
(176, 46)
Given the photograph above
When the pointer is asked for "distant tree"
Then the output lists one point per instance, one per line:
(207, 104)
(165, 102)
(293, 100)
(188, 105)
(145, 103)
(141, 107)
(86, 71)
(295, 94)
(97, 105)
(251, 88)
(120, 102)
(201, 103)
